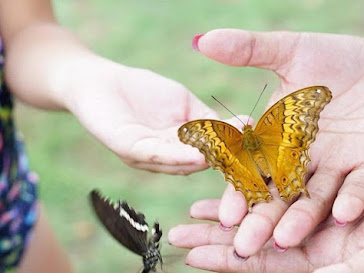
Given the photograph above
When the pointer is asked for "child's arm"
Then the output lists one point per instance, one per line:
(134, 112)
(38, 51)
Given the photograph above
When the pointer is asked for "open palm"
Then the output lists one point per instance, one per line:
(136, 113)
(336, 183)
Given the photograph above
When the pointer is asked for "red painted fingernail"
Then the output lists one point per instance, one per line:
(279, 248)
(223, 228)
(340, 224)
(239, 258)
(195, 41)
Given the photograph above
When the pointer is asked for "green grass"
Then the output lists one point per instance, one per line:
(155, 35)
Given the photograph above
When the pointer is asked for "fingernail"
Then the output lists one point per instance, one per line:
(186, 263)
(340, 224)
(224, 228)
(195, 41)
(239, 258)
(279, 248)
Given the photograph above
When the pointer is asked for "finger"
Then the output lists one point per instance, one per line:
(257, 227)
(306, 213)
(215, 258)
(349, 203)
(199, 110)
(168, 169)
(161, 150)
(205, 209)
(353, 265)
(244, 48)
(222, 259)
(233, 207)
(190, 236)
(158, 146)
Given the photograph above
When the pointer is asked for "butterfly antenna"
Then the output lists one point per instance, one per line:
(228, 110)
(261, 93)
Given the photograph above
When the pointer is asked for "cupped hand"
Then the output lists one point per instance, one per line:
(336, 172)
(329, 249)
(136, 114)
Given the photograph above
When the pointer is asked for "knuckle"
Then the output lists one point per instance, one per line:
(154, 159)
(266, 219)
(208, 233)
(319, 201)
(260, 266)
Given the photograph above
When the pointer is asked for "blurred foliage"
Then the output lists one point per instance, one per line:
(154, 34)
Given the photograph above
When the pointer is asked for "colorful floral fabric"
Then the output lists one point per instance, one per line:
(18, 186)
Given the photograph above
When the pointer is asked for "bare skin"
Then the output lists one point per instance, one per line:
(329, 249)
(336, 171)
(136, 119)
(133, 112)
(41, 56)
(44, 253)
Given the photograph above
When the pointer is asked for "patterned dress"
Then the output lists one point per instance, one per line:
(18, 186)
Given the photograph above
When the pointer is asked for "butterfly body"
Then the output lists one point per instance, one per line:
(130, 229)
(151, 259)
(252, 143)
(277, 148)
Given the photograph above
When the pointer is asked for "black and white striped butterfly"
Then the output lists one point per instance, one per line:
(129, 228)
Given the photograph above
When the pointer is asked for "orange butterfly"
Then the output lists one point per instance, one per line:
(276, 148)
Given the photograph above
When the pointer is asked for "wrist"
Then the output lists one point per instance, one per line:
(84, 79)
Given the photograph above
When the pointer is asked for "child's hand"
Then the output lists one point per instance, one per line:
(136, 113)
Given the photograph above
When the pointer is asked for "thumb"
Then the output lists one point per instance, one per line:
(270, 50)
(196, 109)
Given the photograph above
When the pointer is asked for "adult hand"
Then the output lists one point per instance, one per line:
(337, 169)
(330, 248)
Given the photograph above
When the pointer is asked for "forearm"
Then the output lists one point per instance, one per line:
(39, 53)
(39, 61)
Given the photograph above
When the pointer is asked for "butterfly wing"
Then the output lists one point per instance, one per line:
(222, 146)
(287, 130)
(122, 222)
(156, 235)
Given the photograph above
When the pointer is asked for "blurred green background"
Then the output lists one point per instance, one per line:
(154, 34)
